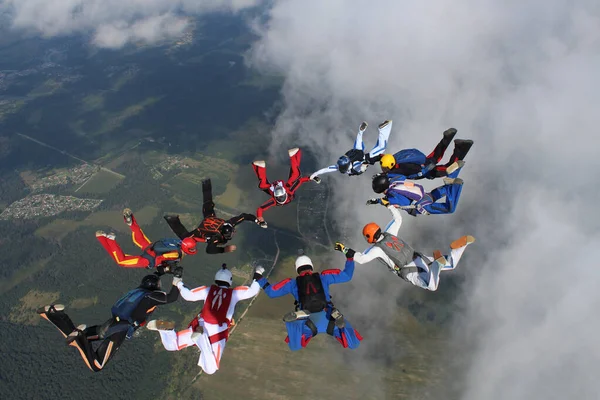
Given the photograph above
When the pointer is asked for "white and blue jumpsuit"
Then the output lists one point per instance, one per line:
(299, 333)
(413, 198)
(357, 155)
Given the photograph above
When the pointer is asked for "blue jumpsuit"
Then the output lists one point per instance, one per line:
(427, 204)
(299, 334)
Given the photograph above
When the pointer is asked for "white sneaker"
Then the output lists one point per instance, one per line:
(111, 236)
(292, 152)
(363, 126)
(128, 216)
(51, 308)
(384, 124)
(453, 181)
(260, 163)
(100, 233)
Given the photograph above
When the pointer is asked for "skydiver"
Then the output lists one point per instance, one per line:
(209, 330)
(212, 230)
(355, 161)
(281, 192)
(412, 198)
(164, 254)
(403, 260)
(129, 313)
(413, 164)
(315, 313)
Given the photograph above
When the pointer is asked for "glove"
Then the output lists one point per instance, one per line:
(176, 280)
(230, 248)
(316, 179)
(162, 269)
(340, 247)
(384, 202)
(372, 201)
(347, 251)
(258, 273)
(178, 273)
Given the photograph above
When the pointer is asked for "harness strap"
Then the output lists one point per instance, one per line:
(219, 336)
(311, 325)
(330, 326)
(151, 259)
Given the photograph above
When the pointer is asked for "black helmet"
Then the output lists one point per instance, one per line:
(343, 164)
(381, 183)
(150, 282)
(227, 230)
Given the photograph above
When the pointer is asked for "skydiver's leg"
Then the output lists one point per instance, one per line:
(457, 248)
(56, 316)
(210, 353)
(295, 158)
(428, 275)
(358, 142)
(385, 128)
(461, 148)
(96, 360)
(115, 251)
(137, 235)
(348, 337)
(261, 173)
(174, 341)
(438, 153)
(451, 192)
(208, 206)
(298, 334)
(176, 226)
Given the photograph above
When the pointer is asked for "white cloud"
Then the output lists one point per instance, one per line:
(112, 23)
(520, 78)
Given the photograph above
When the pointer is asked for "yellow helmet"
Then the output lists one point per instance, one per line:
(387, 162)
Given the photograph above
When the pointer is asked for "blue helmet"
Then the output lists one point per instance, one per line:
(344, 164)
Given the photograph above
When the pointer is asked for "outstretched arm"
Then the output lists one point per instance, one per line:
(325, 170)
(246, 292)
(370, 254)
(280, 289)
(241, 218)
(394, 226)
(332, 276)
(196, 294)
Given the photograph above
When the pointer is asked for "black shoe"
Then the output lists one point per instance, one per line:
(449, 134)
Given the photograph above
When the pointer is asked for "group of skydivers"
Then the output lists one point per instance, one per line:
(314, 311)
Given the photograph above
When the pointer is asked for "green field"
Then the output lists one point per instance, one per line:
(101, 182)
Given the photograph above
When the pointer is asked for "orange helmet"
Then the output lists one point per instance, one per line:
(371, 232)
(188, 245)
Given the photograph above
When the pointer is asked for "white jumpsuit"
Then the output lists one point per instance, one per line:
(210, 354)
(358, 167)
(429, 277)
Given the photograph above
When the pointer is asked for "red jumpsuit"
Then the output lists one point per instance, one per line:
(295, 180)
(148, 259)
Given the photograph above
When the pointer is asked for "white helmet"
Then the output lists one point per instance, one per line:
(280, 194)
(302, 261)
(224, 275)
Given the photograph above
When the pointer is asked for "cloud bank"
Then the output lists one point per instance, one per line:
(112, 23)
(521, 79)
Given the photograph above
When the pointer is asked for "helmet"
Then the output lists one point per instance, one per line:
(227, 230)
(371, 232)
(150, 282)
(280, 194)
(343, 164)
(224, 275)
(387, 162)
(303, 261)
(188, 246)
(381, 183)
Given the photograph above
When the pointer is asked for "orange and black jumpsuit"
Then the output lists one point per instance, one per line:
(209, 230)
(112, 333)
(148, 259)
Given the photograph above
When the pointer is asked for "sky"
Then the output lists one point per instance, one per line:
(519, 78)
